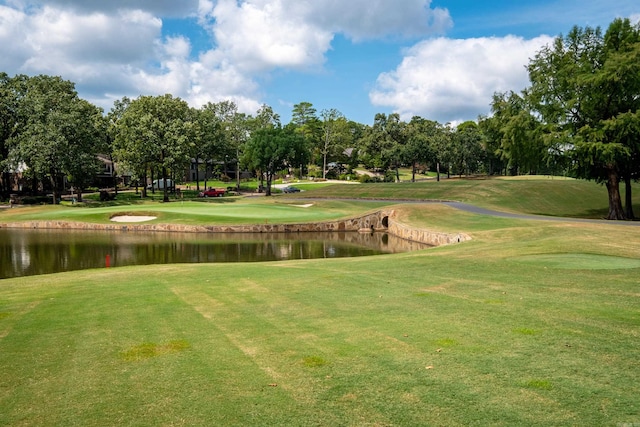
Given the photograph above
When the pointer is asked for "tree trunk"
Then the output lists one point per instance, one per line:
(165, 192)
(324, 163)
(237, 169)
(615, 203)
(413, 172)
(628, 200)
(438, 171)
(197, 174)
(54, 188)
(114, 175)
(268, 191)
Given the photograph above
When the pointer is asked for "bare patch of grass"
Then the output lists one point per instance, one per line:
(148, 350)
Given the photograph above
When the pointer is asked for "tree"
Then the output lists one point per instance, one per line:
(467, 148)
(12, 120)
(235, 128)
(114, 115)
(580, 85)
(62, 133)
(155, 132)
(520, 143)
(383, 142)
(271, 149)
(208, 138)
(420, 134)
(335, 133)
(305, 121)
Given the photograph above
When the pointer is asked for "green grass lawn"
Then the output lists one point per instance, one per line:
(535, 195)
(529, 323)
(225, 210)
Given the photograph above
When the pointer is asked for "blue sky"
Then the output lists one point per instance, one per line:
(440, 59)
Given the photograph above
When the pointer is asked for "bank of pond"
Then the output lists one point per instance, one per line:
(26, 252)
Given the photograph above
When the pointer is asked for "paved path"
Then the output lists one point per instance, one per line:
(482, 211)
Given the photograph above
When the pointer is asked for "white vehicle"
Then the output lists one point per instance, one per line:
(158, 184)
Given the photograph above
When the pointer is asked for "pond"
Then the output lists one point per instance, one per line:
(31, 252)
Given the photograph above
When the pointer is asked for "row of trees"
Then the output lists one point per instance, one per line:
(55, 137)
(580, 116)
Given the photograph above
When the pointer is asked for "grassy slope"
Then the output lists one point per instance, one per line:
(528, 324)
(548, 196)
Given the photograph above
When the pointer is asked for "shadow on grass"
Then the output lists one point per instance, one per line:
(131, 199)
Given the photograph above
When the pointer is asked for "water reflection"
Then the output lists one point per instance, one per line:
(32, 252)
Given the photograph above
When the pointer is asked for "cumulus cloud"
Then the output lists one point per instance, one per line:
(265, 34)
(453, 80)
(116, 48)
(366, 19)
(259, 35)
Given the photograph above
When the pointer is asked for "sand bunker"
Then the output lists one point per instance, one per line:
(132, 218)
(308, 205)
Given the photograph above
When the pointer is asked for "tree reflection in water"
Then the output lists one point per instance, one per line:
(31, 252)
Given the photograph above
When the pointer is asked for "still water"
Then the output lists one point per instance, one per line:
(32, 252)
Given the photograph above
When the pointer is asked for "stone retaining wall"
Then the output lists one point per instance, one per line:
(383, 220)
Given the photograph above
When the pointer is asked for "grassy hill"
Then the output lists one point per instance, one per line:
(535, 195)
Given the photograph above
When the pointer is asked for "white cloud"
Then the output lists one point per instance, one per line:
(366, 19)
(261, 35)
(116, 48)
(453, 80)
(266, 34)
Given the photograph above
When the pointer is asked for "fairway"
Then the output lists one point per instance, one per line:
(531, 323)
(580, 261)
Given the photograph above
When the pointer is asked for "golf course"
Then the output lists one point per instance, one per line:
(529, 323)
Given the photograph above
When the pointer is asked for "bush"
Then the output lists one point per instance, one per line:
(332, 174)
(349, 177)
(390, 176)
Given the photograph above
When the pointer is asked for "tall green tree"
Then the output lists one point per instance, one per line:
(12, 120)
(155, 132)
(114, 115)
(62, 134)
(383, 142)
(335, 135)
(580, 85)
(420, 134)
(208, 139)
(271, 149)
(467, 148)
(521, 145)
(304, 118)
(236, 131)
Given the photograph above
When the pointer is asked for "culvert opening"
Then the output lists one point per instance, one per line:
(385, 222)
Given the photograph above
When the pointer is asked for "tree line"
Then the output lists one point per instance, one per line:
(579, 117)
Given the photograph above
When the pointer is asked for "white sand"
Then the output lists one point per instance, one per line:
(132, 218)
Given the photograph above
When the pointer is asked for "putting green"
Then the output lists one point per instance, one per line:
(579, 261)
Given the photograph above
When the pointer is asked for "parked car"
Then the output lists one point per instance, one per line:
(158, 184)
(290, 189)
(213, 192)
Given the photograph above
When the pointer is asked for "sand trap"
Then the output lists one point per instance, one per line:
(132, 218)
(308, 205)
